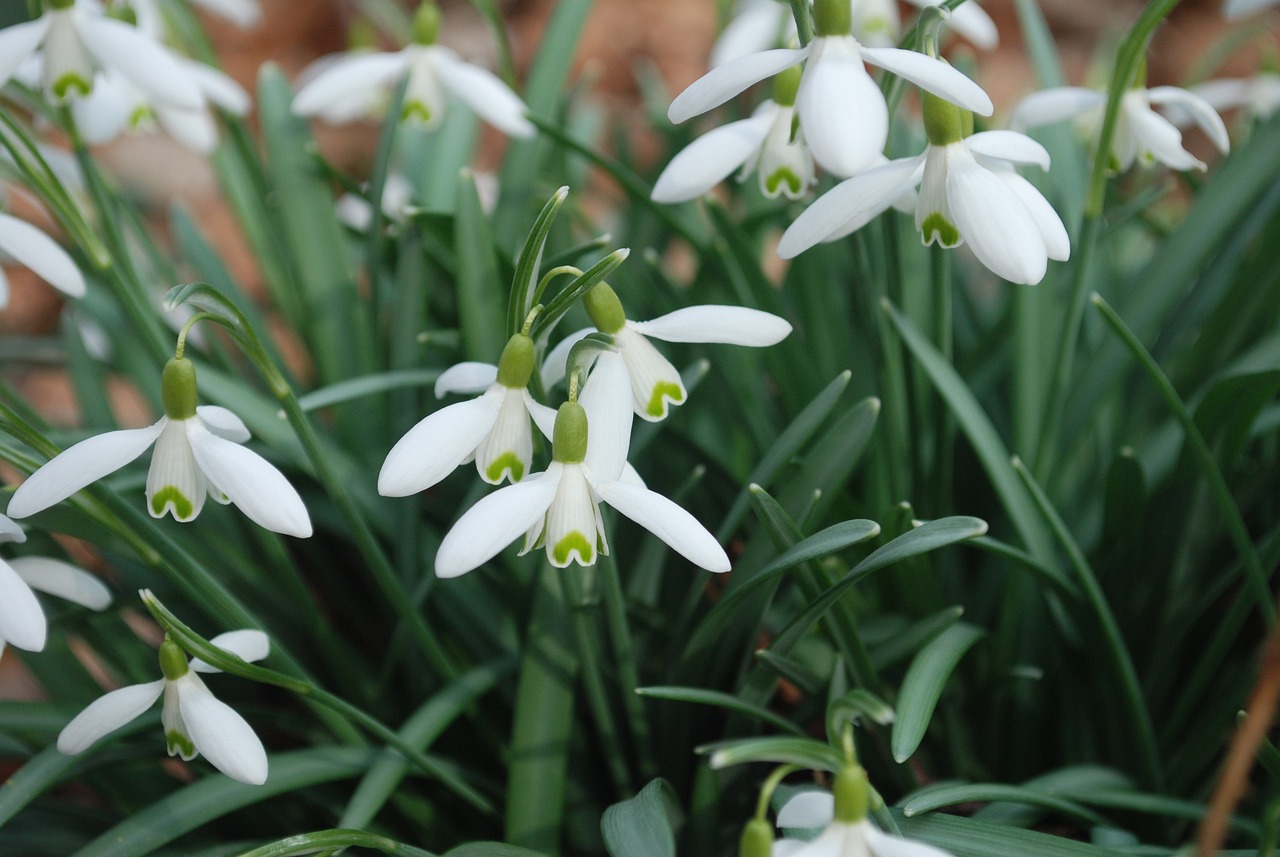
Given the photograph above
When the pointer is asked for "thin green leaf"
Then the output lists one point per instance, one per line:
(640, 827)
(720, 700)
(805, 752)
(923, 686)
(984, 792)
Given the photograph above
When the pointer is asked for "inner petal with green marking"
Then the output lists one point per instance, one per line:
(575, 545)
(179, 744)
(663, 392)
(938, 227)
(507, 463)
(170, 496)
(783, 176)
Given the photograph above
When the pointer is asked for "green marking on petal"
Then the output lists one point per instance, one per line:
(945, 231)
(416, 110)
(170, 495)
(663, 390)
(508, 461)
(63, 86)
(575, 541)
(141, 117)
(782, 175)
(179, 744)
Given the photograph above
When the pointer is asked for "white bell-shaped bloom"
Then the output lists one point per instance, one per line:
(1234, 9)
(1259, 95)
(655, 383)
(30, 247)
(560, 507)
(194, 721)
(74, 41)
(1141, 132)
(22, 621)
(195, 456)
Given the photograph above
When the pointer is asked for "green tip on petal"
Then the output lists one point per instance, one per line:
(69, 84)
(833, 17)
(426, 24)
(774, 182)
(757, 839)
(178, 389)
(942, 120)
(663, 391)
(569, 440)
(179, 744)
(515, 366)
(173, 661)
(604, 308)
(171, 496)
(574, 542)
(937, 226)
(415, 111)
(508, 462)
(850, 790)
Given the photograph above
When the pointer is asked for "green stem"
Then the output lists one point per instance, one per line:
(615, 611)
(804, 21)
(943, 335)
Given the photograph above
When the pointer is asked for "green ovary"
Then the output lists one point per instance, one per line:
(936, 224)
(169, 494)
(778, 177)
(507, 461)
(575, 541)
(180, 744)
(663, 390)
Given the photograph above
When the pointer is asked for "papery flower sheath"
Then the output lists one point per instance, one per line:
(969, 193)
(493, 428)
(560, 507)
(29, 246)
(841, 109)
(433, 72)
(75, 39)
(198, 452)
(195, 722)
(22, 621)
(655, 383)
(1141, 132)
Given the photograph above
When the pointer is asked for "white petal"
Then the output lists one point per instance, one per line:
(248, 644)
(63, 580)
(22, 622)
(431, 450)
(630, 476)
(469, 377)
(730, 325)
(1009, 146)
(79, 465)
(1055, 105)
(994, 222)
(252, 484)
(1056, 241)
(573, 530)
(972, 21)
(224, 423)
(606, 399)
(218, 87)
(19, 42)
(174, 482)
(194, 129)
(543, 417)
(655, 383)
(220, 734)
(788, 847)
(1201, 112)
(242, 13)
(484, 92)
(553, 365)
(147, 64)
(348, 77)
(107, 714)
(108, 110)
(932, 75)
(885, 845)
(11, 531)
(507, 450)
(850, 205)
(1222, 94)
(842, 111)
(495, 522)
(720, 84)
(668, 521)
(1234, 9)
(1156, 137)
(711, 159)
(41, 254)
(808, 809)
(757, 27)
(4, 289)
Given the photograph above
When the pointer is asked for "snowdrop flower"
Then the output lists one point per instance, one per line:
(654, 382)
(841, 109)
(846, 830)
(1259, 95)
(74, 39)
(32, 248)
(116, 105)
(1140, 132)
(1234, 9)
(763, 143)
(493, 428)
(242, 13)
(432, 70)
(969, 193)
(195, 722)
(22, 622)
(560, 507)
(198, 452)
(397, 199)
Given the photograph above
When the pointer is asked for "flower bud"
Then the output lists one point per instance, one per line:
(605, 309)
(569, 440)
(757, 839)
(173, 660)
(178, 389)
(515, 366)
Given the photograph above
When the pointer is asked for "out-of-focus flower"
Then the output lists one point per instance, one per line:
(1141, 132)
(1233, 9)
(1259, 95)
(242, 13)
(195, 722)
(198, 452)
(30, 247)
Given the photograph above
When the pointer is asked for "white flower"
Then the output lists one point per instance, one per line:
(1140, 131)
(654, 382)
(116, 105)
(75, 39)
(432, 71)
(242, 13)
(37, 251)
(1233, 9)
(195, 723)
(22, 622)
(841, 109)
(195, 455)
(560, 508)
(840, 839)
(1260, 95)
(397, 200)
(969, 193)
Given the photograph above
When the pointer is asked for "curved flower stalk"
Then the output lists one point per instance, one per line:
(492, 428)
(1141, 132)
(73, 40)
(33, 249)
(432, 71)
(198, 452)
(841, 109)
(764, 144)
(560, 507)
(969, 193)
(195, 722)
(655, 383)
(1236, 9)
(22, 621)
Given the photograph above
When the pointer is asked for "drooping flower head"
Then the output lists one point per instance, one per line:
(29, 246)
